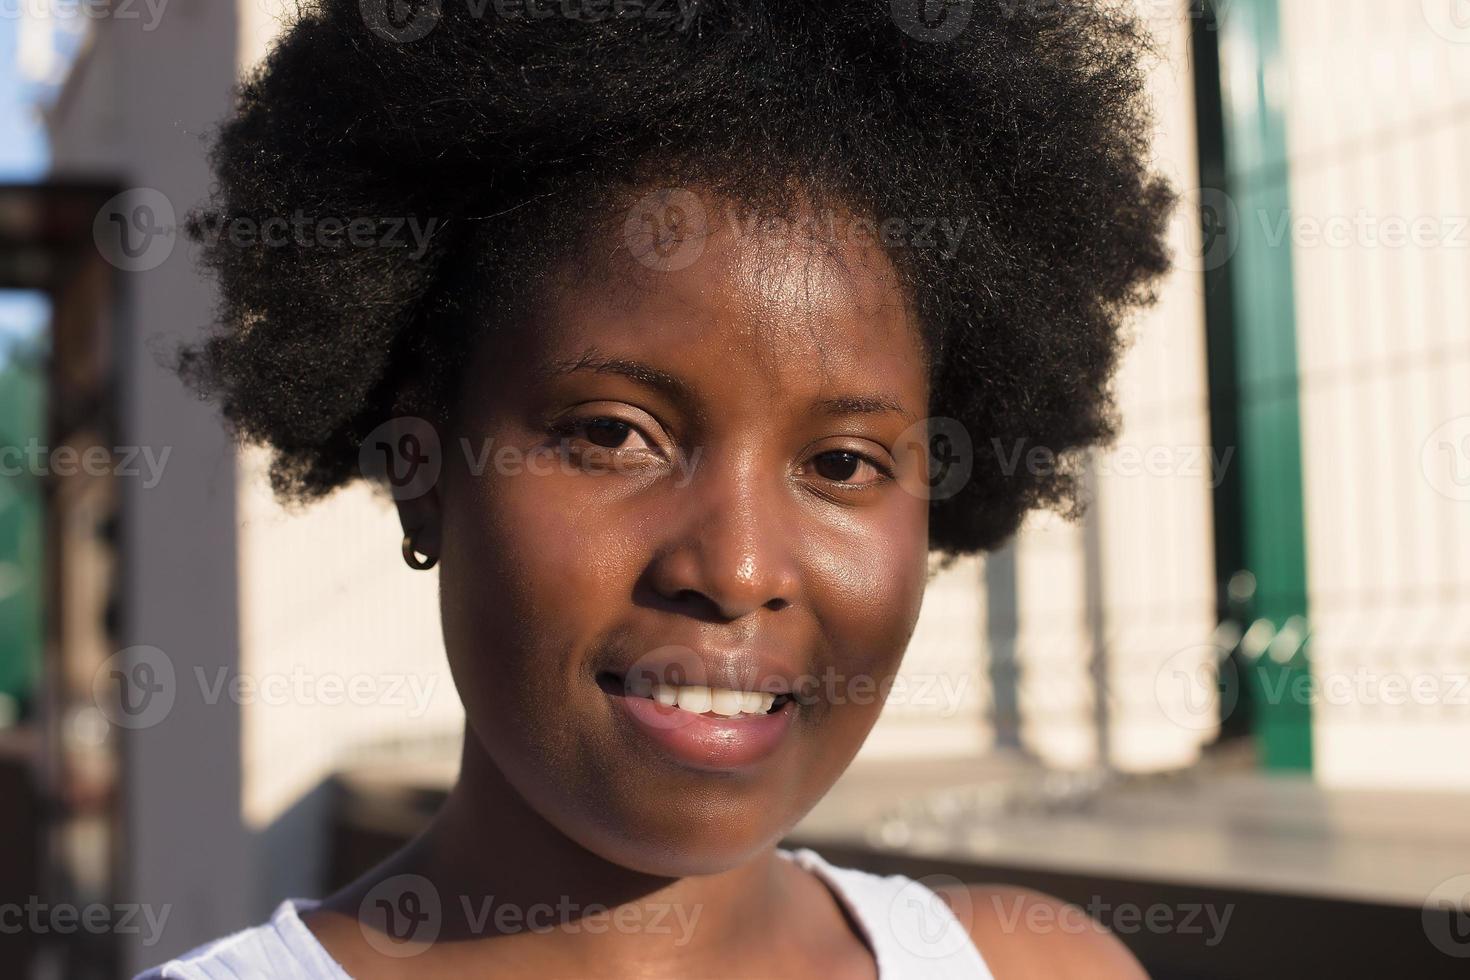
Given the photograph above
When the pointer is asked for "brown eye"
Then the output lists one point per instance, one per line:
(607, 433)
(842, 466)
(838, 466)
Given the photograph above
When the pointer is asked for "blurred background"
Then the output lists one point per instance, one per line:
(1228, 712)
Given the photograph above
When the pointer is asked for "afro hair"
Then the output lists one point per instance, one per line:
(507, 130)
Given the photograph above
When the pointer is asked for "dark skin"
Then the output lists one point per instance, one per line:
(716, 455)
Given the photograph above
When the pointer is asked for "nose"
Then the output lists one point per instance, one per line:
(729, 553)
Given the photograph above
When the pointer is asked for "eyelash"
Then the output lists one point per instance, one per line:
(572, 427)
(566, 429)
(885, 473)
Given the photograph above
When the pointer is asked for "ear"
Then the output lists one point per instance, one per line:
(405, 454)
(421, 520)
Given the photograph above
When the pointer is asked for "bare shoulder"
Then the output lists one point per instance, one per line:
(1023, 934)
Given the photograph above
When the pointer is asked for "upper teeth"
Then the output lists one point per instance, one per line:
(719, 700)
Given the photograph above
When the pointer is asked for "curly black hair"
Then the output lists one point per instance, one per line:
(516, 128)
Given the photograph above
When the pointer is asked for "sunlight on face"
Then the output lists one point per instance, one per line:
(715, 469)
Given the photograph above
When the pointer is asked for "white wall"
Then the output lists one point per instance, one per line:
(1150, 525)
(1378, 133)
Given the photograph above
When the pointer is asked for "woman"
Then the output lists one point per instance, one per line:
(653, 386)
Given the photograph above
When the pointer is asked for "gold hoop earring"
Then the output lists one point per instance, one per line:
(414, 561)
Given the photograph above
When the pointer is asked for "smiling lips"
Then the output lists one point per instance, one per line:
(700, 699)
(716, 729)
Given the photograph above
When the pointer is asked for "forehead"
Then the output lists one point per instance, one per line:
(800, 303)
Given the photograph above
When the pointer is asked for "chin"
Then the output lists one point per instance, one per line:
(695, 847)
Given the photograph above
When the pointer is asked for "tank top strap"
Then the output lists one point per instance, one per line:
(911, 930)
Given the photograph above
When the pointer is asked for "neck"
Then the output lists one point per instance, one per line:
(507, 877)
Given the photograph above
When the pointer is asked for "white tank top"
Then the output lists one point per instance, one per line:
(910, 929)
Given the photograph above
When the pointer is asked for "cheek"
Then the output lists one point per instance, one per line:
(531, 576)
(869, 585)
(867, 591)
(532, 573)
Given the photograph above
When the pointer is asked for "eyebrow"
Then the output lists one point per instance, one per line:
(645, 374)
(864, 405)
(652, 377)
